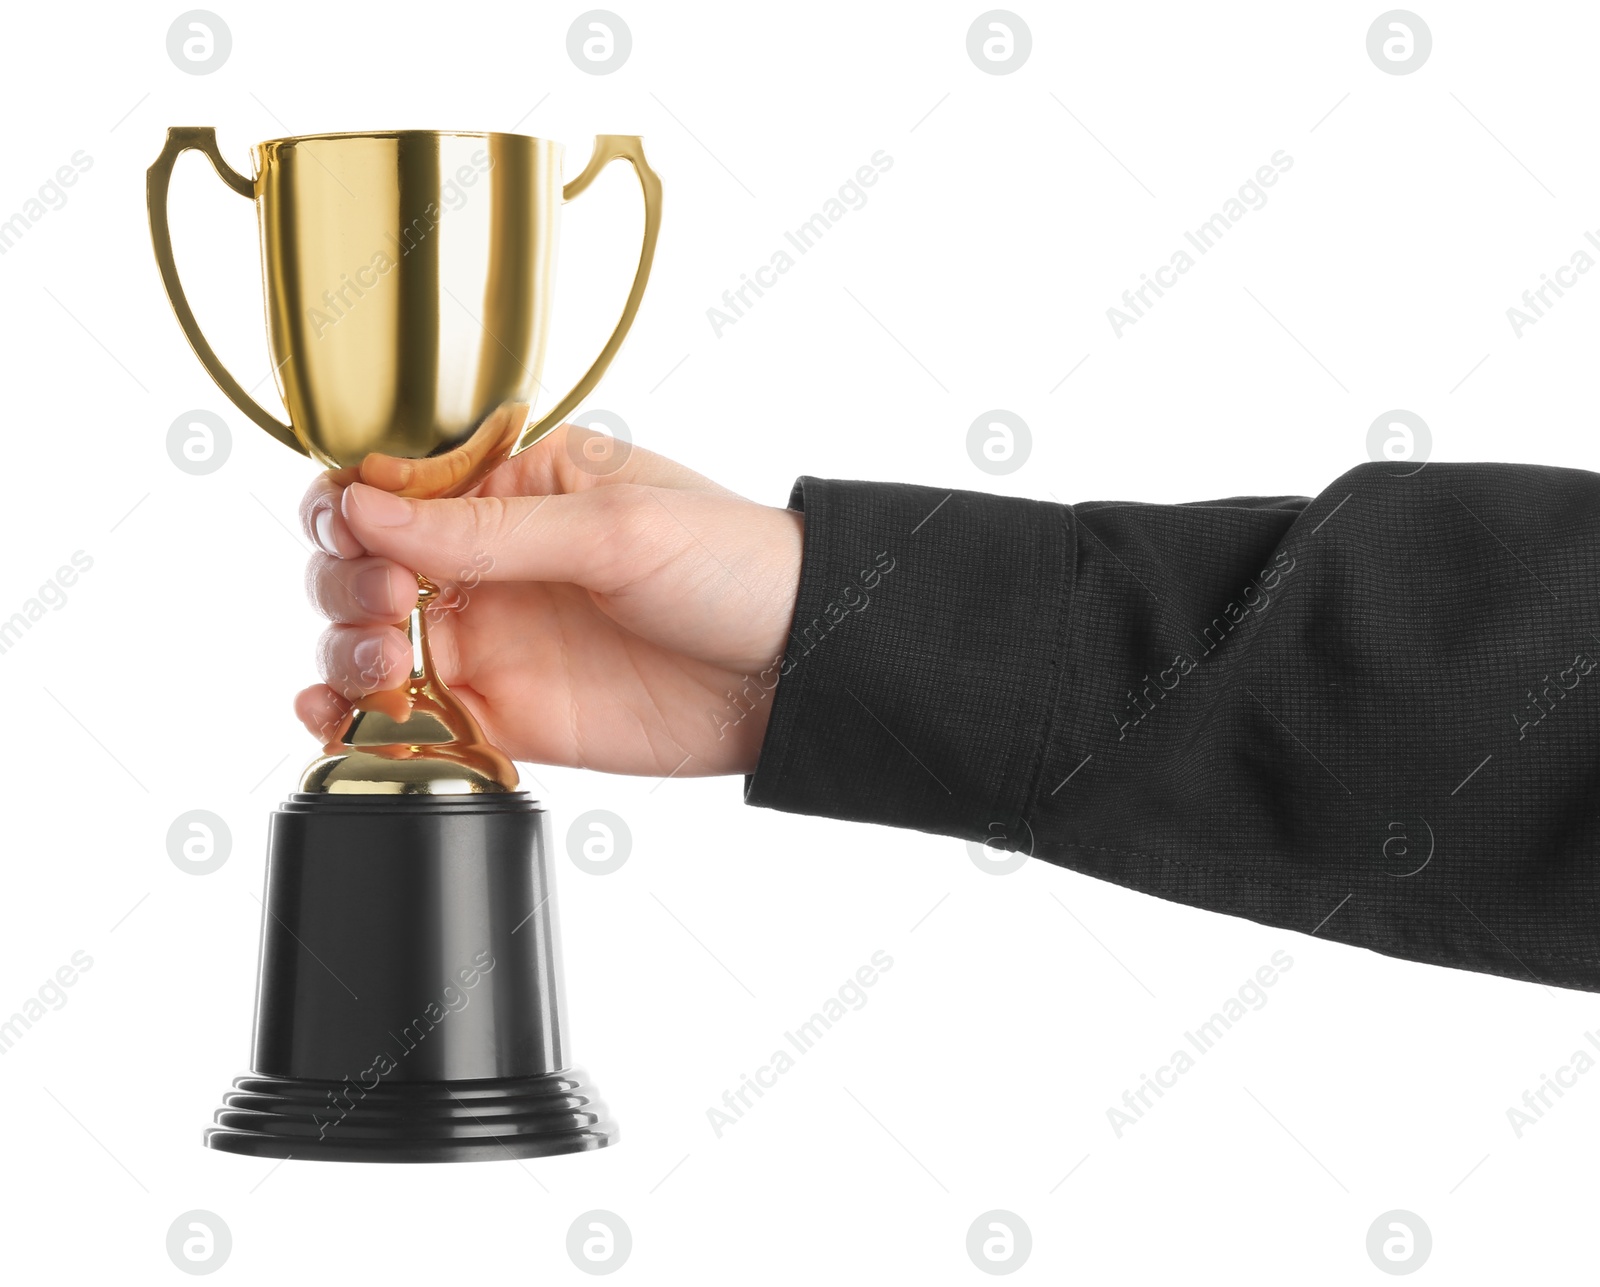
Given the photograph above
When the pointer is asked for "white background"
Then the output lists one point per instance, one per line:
(1018, 209)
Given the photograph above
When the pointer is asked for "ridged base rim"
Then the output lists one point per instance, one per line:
(441, 1121)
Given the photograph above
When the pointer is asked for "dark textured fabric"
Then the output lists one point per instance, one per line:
(1373, 715)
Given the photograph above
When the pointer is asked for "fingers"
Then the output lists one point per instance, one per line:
(357, 660)
(569, 460)
(321, 710)
(600, 539)
(362, 591)
(321, 519)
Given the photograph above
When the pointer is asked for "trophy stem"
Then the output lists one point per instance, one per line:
(417, 633)
(416, 739)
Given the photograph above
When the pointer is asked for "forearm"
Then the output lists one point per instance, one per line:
(1267, 708)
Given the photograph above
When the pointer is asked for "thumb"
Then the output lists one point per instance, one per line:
(600, 539)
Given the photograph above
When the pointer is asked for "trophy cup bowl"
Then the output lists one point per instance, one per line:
(409, 1003)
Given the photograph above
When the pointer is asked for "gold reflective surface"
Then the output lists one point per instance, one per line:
(409, 284)
(426, 744)
(409, 280)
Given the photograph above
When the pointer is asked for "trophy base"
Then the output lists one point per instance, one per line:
(409, 1002)
(448, 1121)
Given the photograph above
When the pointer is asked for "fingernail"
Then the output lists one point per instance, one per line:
(322, 531)
(368, 659)
(374, 591)
(379, 508)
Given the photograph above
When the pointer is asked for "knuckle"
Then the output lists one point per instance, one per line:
(336, 660)
(639, 532)
(331, 658)
(317, 574)
(628, 510)
(492, 523)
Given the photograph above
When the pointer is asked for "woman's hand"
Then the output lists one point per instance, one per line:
(617, 621)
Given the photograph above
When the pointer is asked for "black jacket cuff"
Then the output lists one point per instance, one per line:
(914, 693)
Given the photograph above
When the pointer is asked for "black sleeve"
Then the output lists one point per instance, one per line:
(1373, 715)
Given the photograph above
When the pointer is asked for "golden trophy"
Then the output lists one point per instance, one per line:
(409, 1003)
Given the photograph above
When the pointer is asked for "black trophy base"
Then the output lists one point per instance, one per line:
(409, 1001)
(446, 1121)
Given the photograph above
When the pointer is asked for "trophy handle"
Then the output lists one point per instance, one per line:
(608, 148)
(203, 138)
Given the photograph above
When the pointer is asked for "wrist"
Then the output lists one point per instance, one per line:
(756, 690)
